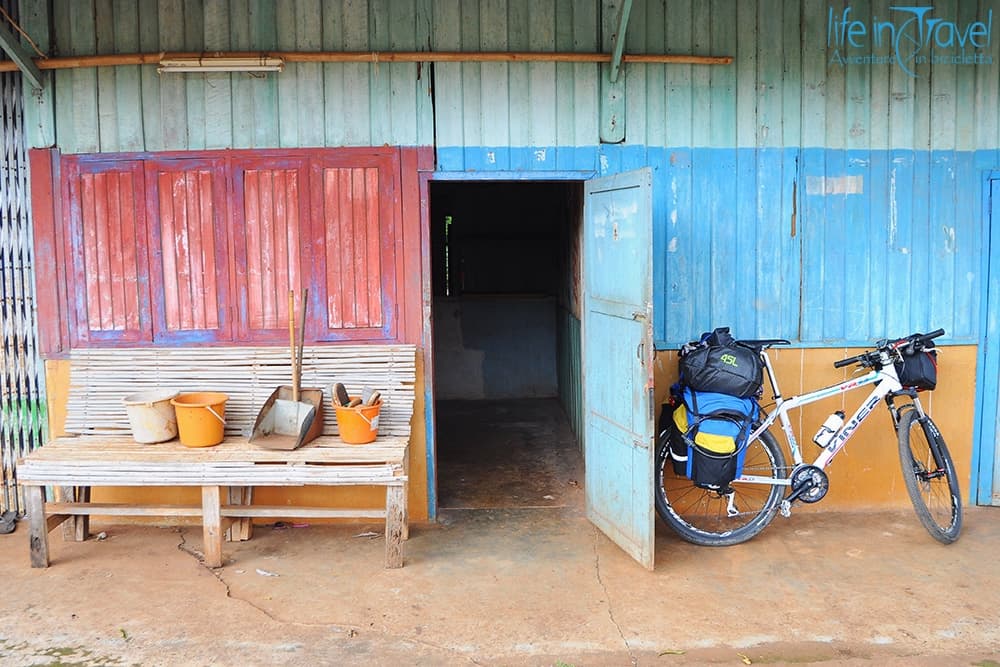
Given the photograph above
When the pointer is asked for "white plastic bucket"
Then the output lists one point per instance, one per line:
(151, 415)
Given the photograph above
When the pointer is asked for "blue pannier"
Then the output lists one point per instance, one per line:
(715, 428)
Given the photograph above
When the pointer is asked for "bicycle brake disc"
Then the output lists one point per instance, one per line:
(809, 483)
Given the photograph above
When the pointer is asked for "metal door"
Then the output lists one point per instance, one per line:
(618, 359)
(22, 392)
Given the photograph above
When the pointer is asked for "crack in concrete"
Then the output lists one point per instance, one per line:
(350, 629)
(611, 613)
(218, 575)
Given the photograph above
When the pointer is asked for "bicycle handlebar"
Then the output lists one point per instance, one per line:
(907, 345)
(849, 361)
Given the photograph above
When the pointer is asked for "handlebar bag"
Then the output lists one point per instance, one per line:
(719, 364)
(714, 427)
(918, 370)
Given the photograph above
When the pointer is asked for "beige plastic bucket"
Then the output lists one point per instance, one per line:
(151, 415)
(201, 418)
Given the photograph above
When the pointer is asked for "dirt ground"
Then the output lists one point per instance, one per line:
(509, 587)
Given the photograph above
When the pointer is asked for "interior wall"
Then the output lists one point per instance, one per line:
(494, 347)
(497, 267)
(568, 343)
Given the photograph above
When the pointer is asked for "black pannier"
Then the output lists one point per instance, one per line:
(667, 430)
(719, 364)
(918, 370)
(706, 434)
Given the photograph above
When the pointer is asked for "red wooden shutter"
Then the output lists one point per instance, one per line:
(107, 283)
(271, 214)
(354, 242)
(186, 199)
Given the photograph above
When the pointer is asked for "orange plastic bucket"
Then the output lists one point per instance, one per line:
(201, 418)
(358, 425)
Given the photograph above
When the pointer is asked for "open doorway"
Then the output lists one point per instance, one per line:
(506, 282)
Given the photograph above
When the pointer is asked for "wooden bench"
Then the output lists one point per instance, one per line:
(85, 462)
(100, 453)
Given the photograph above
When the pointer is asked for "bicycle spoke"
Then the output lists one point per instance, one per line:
(930, 477)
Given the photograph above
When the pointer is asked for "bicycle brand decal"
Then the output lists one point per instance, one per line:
(848, 429)
(910, 37)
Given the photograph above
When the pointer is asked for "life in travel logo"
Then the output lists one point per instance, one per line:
(908, 37)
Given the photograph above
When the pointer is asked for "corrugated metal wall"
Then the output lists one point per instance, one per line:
(794, 196)
(22, 394)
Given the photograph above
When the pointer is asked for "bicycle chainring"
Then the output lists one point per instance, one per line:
(812, 481)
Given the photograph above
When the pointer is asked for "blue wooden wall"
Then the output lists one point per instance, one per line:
(795, 196)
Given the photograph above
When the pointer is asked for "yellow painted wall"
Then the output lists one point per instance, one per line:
(59, 381)
(866, 473)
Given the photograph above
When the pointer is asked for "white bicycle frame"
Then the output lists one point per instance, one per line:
(886, 382)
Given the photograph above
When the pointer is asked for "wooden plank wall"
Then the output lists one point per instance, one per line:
(793, 196)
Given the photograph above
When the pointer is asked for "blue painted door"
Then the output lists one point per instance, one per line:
(986, 441)
(618, 359)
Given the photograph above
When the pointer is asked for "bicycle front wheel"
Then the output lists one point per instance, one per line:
(709, 518)
(930, 478)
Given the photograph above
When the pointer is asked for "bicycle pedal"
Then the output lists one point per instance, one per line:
(785, 508)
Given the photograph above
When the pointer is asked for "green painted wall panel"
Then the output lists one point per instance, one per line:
(783, 90)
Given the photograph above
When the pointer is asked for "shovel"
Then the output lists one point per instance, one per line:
(285, 422)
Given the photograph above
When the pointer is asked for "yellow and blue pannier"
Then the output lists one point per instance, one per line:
(715, 428)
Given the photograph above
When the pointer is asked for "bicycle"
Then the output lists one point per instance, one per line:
(742, 509)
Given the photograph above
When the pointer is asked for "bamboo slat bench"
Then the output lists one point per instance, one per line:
(100, 453)
(84, 462)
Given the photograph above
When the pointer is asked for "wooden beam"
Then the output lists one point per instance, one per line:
(618, 40)
(38, 529)
(211, 526)
(113, 60)
(289, 511)
(120, 509)
(22, 59)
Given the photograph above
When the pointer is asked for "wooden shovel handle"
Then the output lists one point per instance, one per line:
(291, 336)
(302, 340)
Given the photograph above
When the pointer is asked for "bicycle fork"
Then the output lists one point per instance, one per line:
(931, 435)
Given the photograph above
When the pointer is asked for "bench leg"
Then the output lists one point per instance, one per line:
(38, 528)
(395, 520)
(242, 528)
(211, 517)
(77, 527)
(406, 512)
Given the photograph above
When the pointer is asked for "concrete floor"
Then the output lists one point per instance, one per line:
(506, 454)
(510, 586)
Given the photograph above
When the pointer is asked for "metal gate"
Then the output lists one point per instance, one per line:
(22, 400)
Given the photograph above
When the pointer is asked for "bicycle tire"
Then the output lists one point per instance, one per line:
(933, 488)
(700, 516)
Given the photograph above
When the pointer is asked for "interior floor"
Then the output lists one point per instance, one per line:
(516, 453)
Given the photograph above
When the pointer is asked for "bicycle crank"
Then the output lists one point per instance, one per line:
(809, 484)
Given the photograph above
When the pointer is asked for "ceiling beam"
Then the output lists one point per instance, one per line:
(618, 40)
(374, 57)
(12, 46)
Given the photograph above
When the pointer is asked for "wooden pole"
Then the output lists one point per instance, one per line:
(112, 60)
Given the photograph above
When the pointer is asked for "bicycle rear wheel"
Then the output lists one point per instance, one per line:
(930, 478)
(702, 516)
